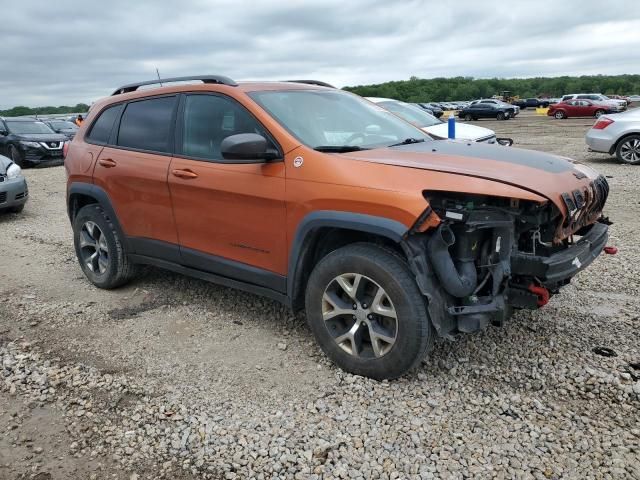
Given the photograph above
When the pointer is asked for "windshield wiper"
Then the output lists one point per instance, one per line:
(408, 141)
(338, 148)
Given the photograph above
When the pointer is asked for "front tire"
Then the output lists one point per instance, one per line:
(628, 150)
(559, 115)
(367, 313)
(598, 113)
(500, 116)
(100, 249)
(468, 117)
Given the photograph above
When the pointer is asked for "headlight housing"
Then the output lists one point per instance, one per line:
(30, 144)
(14, 171)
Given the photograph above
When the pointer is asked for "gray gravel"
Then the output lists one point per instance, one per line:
(175, 378)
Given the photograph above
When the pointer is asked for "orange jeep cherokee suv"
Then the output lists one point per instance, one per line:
(322, 200)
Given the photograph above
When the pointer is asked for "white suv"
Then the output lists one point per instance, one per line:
(618, 105)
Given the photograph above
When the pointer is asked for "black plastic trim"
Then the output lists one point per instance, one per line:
(206, 262)
(101, 196)
(566, 263)
(232, 269)
(218, 79)
(210, 277)
(155, 248)
(385, 227)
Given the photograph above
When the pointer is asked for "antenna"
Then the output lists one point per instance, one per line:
(159, 79)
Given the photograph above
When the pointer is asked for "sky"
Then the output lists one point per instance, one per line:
(65, 52)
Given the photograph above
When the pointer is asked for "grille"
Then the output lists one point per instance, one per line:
(3, 197)
(585, 205)
(20, 195)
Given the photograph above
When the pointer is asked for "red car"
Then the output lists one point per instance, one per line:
(578, 108)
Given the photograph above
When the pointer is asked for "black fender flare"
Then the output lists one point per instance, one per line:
(359, 222)
(102, 198)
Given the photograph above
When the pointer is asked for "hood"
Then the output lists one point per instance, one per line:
(547, 175)
(4, 164)
(464, 131)
(42, 137)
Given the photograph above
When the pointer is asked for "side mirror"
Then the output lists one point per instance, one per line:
(244, 146)
(4, 133)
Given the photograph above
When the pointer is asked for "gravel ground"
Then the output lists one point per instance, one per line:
(175, 378)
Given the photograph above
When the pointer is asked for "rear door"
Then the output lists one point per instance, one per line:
(230, 215)
(133, 167)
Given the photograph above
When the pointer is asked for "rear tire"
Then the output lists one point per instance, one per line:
(500, 116)
(560, 115)
(628, 150)
(100, 250)
(367, 313)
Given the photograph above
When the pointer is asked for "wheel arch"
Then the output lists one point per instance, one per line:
(617, 142)
(81, 194)
(322, 232)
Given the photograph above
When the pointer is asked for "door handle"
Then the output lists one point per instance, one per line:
(186, 174)
(107, 163)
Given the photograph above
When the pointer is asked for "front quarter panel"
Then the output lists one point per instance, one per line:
(334, 182)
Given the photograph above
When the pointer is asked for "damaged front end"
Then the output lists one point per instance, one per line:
(479, 257)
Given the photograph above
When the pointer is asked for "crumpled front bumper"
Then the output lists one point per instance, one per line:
(559, 267)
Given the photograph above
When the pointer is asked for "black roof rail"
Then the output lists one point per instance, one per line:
(220, 79)
(312, 82)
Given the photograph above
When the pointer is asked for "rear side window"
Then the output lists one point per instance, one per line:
(146, 125)
(101, 129)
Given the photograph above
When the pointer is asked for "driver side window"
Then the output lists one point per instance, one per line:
(209, 119)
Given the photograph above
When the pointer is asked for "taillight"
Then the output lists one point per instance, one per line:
(65, 149)
(602, 123)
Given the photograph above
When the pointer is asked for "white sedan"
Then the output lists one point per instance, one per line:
(430, 124)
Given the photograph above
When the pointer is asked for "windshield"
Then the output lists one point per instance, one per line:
(416, 115)
(335, 118)
(25, 128)
(63, 125)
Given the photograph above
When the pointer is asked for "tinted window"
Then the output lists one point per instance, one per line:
(26, 127)
(209, 119)
(102, 126)
(146, 125)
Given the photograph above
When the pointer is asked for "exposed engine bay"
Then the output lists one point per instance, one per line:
(490, 255)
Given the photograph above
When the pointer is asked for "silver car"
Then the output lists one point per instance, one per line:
(619, 133)
(13, 186)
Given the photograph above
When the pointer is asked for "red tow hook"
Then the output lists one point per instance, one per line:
(610, 250)
(542, 294)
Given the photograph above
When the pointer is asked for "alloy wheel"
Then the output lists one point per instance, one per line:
(630, 150)
(360, 316)
(93, 248)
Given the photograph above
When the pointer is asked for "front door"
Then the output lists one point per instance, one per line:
(230, 216)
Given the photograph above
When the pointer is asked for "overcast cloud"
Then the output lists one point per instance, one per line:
(64, 52)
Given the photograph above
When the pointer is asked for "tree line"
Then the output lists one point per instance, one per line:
(21, 110)
(468, 88)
